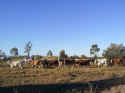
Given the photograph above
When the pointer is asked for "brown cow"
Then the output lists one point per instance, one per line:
(82, 61)
(52, 62)
(116, 60)
(61, 62)
(36, 63)
(78, 62)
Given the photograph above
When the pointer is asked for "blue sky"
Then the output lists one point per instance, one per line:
(73, 25)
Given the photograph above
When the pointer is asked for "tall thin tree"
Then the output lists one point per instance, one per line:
(94, 50)
(49, 53)
(28, 48)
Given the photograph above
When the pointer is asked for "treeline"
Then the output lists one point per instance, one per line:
(113, 51)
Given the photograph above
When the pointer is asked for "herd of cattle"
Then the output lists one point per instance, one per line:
(61, 62)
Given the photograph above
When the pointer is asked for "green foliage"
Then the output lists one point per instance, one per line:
(27, 48)
(94, 50)
(22, 57)
(2, 53)
(114, 51)
(83, 56)
(75, 57)
(62, 54)
(14, 51)
(49, 53)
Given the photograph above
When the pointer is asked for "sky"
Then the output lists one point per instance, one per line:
(72, 25)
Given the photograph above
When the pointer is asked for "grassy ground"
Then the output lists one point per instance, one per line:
(86, 79)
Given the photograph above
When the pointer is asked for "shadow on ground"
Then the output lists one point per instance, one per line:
(96, 86)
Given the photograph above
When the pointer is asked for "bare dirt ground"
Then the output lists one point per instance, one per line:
(86, 79)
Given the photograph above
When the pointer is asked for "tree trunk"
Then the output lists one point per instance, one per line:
(28, 54)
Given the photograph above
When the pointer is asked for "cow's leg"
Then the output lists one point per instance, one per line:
(43, 65)
(74, 66)
(20, 66)
(79, 66)
(47, 65)
(64, 63)
(60, 66)
(33, 66)
(39, 66)
(11, 65)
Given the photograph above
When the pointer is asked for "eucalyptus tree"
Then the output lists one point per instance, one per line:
(28, 48)
(94, 50)
(14, 52)
(49, 53)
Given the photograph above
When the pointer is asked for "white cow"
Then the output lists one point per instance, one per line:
(17, 64)
(28, 60)
(101, 62)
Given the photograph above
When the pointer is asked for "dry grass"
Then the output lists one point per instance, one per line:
(67, 75)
